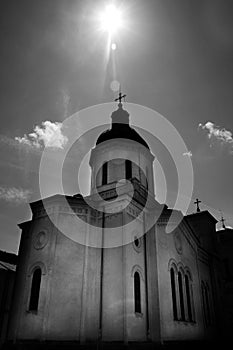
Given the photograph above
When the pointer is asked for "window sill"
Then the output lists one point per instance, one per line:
(33, 312)
(139, 314)
(185, 322)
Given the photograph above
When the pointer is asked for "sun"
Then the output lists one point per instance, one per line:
(111, 19)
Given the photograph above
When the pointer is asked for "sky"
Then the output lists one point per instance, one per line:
(172, 56)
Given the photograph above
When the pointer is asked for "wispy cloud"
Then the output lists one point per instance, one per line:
(14, 195)
(8, 141)
(221, 135)
(66, 102)
(47, 135)
(188, 154)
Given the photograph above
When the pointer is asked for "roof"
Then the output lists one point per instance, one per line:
(225, 234)
(121, 129)
(7, 266)
(9, 258)
(201, 215)
(56, 197)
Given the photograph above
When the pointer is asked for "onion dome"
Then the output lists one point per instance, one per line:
(120, 128)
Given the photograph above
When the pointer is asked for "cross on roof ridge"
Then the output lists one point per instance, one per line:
(197, 203)
(222, 220)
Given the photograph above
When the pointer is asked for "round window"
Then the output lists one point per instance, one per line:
(137, 243)
(41, 239)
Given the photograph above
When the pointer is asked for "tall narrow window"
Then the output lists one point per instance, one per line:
(137, 292)
(207, 303)
(203, 301)
(35, 290)
(188, 296)
(173, 287)
(180, 283)
(105, 173)
(128, 169)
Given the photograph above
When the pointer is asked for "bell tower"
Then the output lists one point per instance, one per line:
(122, 175)
(121, 154)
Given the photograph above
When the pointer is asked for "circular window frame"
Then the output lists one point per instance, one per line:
(37, 244)
(138, 246)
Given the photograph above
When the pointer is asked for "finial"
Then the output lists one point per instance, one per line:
(197, 203)
(222, 220)
(120, 97)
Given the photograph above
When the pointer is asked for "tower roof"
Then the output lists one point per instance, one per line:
(120, 128)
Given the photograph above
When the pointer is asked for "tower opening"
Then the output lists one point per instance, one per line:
(137, 293)
(35, 290)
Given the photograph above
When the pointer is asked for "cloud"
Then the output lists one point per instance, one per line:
(47, 135)
(66, 102)
(188, 154)
(14, 195)
(221, 135)
(8, 141)
(18, 144)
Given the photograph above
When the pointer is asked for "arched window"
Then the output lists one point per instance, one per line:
(188, 296)
(105, 173)
(173, 287)
(181, 292)
(180, 283)
(35, 290)
(128, 169)
(137, 293)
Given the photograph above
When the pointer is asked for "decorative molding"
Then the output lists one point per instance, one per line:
(185, 270)
(172, 264)
(137, 268)
(34, 266)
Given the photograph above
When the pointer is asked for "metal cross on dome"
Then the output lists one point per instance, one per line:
(120, 97)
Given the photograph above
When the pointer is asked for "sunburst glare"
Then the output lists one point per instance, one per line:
(111, 19)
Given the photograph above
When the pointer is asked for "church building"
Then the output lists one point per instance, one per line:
(125, 281)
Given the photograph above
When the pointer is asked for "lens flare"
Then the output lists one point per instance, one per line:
(111, 19)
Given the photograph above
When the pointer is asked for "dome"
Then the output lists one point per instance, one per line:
(121, 129)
